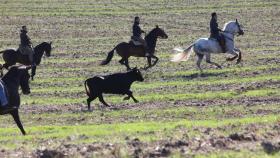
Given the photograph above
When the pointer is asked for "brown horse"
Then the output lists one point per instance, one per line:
(125, 50)
(11, 56)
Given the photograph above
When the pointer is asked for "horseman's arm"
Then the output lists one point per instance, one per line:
(29, 40)
(214, 26)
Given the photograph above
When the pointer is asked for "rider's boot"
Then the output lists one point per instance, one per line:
(223, 45)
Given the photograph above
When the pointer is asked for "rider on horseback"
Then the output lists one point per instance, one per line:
(25, 46)
(137, 31)
(215, 32)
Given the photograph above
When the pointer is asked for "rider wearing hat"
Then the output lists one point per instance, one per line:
(137, 31)
(26, 44)
(215, 31)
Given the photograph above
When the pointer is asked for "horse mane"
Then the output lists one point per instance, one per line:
(150, 33)
(40, 45)
(226, 24)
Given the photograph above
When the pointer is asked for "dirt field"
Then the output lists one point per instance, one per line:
(229, 112)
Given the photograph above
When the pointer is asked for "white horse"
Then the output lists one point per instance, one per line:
(206, 46)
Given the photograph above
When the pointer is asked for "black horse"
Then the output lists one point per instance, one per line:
(11, 56)
(15, 77)
(125, 50)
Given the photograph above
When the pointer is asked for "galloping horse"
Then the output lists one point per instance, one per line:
(11, 56)
(125, 50)
(15, 77)
(206, 46)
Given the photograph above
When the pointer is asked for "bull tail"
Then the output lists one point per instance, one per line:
(109, 57)
(87, 88)
(182, 54)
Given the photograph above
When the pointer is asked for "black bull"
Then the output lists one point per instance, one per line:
(118, 83)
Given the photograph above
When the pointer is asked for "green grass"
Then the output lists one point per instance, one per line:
(156, 97)
(115, 132)
(238, 154)
(83, 32)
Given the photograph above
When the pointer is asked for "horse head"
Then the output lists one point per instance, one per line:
(234, 28)
(43, 47)
(240, 28)
(48, 49)
(160, 32)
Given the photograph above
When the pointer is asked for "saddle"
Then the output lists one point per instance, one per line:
(221, 41)
(134, 41)
(24, 50)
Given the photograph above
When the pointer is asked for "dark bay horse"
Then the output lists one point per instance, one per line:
(125, 50)
(11, 56)
(15, 77)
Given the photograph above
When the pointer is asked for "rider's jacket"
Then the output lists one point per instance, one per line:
(137, 30)
(214, 29)
(24, 39)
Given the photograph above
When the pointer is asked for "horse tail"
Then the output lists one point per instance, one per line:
(109, 57)
(182, 54)
(86, 87)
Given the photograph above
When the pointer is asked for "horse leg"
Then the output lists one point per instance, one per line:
(239, 55)
(124, 61)
(33, 72)
(234, 52)
(208, 60)
(149, 60)
(17, 120)
(126, 64)
(156, 60)
(121, 61)
(231, 59)
(198, 62)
